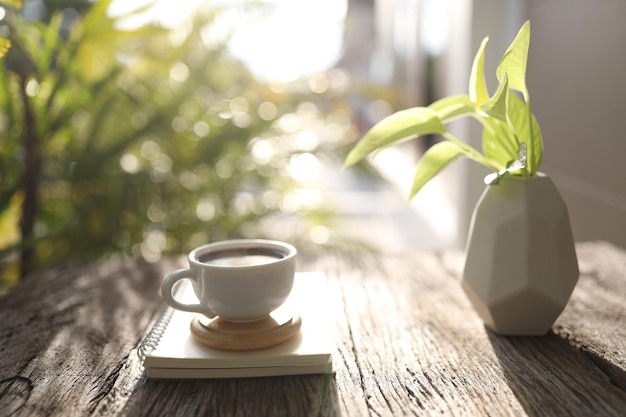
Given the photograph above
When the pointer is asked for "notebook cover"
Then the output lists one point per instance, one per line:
(179, 355)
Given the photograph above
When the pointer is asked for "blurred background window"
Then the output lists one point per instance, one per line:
(147, 127)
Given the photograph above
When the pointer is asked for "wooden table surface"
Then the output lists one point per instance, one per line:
(408, 343)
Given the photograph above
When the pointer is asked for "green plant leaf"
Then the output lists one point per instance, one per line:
(393, 128)
(51, 36)
(453, 107)
(496, 105)
(498, 141)
(478, 93)
(515, 59)
(519, 116)
(512, 143)
(436, 158)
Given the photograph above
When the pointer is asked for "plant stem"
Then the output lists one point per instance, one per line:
(30, 179)
(531, 141)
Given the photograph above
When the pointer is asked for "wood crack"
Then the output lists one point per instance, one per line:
(14, 394)
(357, 356)
(615, 375)
(106, 387)
(357, 361)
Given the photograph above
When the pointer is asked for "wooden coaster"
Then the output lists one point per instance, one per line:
(221, 334)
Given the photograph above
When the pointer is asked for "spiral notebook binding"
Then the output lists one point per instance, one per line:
(152, 339)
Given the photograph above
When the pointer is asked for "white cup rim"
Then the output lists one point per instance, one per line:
(287, 249)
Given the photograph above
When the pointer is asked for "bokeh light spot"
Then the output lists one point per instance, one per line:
(130, 163)
(267, 110)
(304, 167)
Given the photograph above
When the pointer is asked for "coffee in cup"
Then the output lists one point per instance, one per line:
(241, 257)
(238, 280)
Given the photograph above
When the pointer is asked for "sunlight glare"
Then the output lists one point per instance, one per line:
(304, 167)
(299, 38)
(295, 38)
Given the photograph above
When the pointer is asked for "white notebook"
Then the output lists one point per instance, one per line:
(170, 351)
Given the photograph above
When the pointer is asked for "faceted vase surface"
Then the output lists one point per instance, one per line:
(521, 265)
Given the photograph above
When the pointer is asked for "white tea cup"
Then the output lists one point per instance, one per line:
(239, 280)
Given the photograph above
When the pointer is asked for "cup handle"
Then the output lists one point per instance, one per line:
(168, 296)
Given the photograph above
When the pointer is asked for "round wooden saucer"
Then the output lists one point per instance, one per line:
(222, 334)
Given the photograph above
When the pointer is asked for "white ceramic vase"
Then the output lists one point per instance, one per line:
(521, 265)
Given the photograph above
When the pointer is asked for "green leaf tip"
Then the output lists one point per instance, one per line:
(515, 60)
(496, 106)
(477, 87)
(396, 127)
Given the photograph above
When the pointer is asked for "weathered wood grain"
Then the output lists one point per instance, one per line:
(66, 334)
(595, 319)
(408, 343)
(427, 353)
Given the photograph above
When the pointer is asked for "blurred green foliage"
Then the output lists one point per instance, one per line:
(144, 141)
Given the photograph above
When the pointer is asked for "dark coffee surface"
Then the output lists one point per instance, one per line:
(241, 257)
